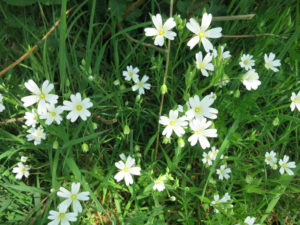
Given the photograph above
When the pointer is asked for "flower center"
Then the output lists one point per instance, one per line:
(283, 165)
(296, 99)
(246, 62)
(38, 133)
(140, 84)
(161, 31)
(202, 65)
(199, 132)
(201, 34)
(34, 118)
(269, 158)
(131, 74)
(23, 169)
(222, 172)
(198, 109)
(157, 182)
(53, 114)
(126, 169)
(268, 64)
(61, 216)
(207, 157)
(73, 196)
(42, 95)
(78, 107)
(172, 122)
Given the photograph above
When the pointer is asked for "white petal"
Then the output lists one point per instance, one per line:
(151, 32)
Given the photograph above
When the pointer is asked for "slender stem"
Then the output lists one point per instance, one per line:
(253, 35)
(237, 17)
(165, 80)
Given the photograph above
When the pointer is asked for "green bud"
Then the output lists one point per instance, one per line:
(166, 140)
(164, 89)
(173, 198)
(180, 142)
(122, 87)
(95, 126)
(276, 121)
(85, 147)
(55, 145)
(126, 130)
(188, 167)
(137, 148)
(237, 93)
(249, 179)
(116, 82)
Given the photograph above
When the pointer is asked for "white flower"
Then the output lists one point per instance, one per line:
(61, 217)
(21, 170)
(222, 82)
(270, 158)
(40, 96)
(126, 170)
(206, 159)
(161, 31)
(216, 202)
(295, 101)
(213, 153)
(31, 118)
(24, 159)
(270, 63)
(180, 108)
(247, 62)
(173, 123)
(36, 134)
(77, 107)
(52, 114)
(141, 85)
(212, 96)
(250, 220)
(201, 132)
(73, 197)
(200, 109)
(2, 107)
(223, 55)
(204, 64)
(251, 80)
(131, 73)
(202, 34)
(225, 198)
(159, 184)
(223, 172)
(285, 166)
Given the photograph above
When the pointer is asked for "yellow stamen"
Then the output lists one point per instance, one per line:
(79, 107)
(61, 216)
(172, 122)
(42, 95)
(246, 62)
(53, 114)
(161, 31)
(201, 34)
(73, 196)
(126, 169)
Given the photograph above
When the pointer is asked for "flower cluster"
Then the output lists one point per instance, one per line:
(139, 85)
(222, 203)
(73, 198)
(47, 110)
(22, 169)
(285, 165)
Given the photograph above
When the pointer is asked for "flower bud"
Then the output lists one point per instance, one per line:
(116, 82)
(164, 89)
(173, 198)
(166, 140)
(237, 93)
(55, 145)
(85, 147)
(95, 126)
(276, 121)
(126, 130)
(181, 143)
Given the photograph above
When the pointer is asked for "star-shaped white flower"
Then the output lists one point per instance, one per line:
(53, 114)
(159, 184)
(270, 63)
(36, 134)
(213, 153)
(225, 198)
(77, 107)
(200, 109)
(251, 80)
(2, 107)
(206, 158)
(141, 85)
(24, 159)
(270, 158)
(61, 216)
(173, 123)
(204, 64)
(247, 62)
(31, 118)
(202, 33)
(161, 31)
(131, 73)
(250, 220)
(73, 197)
(201, 132)
(295, 101)
(285, 166)
(223, 55)
(126, 170)
(21, 170)
(223, 172)
(40, 96)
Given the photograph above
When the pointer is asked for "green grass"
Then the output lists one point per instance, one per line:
(245, 122)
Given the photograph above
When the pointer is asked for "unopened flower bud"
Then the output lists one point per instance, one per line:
(164, 89)
(181, 143)
(95, 126)
(85, 147)
(173, 198)
(55, 145)
(126, 130)
(166, 140)
(116, 82)
(276, 121)
(237, 93)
